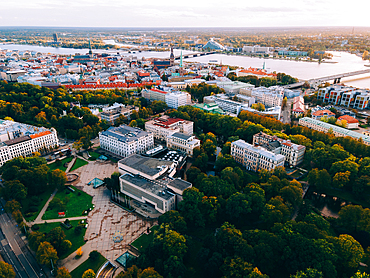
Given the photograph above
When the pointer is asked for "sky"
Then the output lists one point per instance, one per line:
(189, 13)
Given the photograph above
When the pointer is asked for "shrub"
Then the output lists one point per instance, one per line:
(78, 230)
(94, 255)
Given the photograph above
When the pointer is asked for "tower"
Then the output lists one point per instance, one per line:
(90, 51)
(172, 57)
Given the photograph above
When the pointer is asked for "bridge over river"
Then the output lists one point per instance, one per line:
(336, 79)
(192, 55)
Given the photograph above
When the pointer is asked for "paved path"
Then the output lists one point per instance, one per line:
(106, 218)
(38, 218)
(59, 220)
(70, 164)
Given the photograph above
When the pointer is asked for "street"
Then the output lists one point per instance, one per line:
(14, 251)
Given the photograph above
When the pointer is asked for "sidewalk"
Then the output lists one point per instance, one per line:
(59, 219)
(71, 262)
(38, 219)
(70, 164)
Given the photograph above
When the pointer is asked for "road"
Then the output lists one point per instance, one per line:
(14, 250)
(285, 113)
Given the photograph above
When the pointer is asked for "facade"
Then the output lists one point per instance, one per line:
(256, 72)
(125, 140)
(165, 126)
(318, 115)
(183, 142)
(333, 94)
(270, 97)
(362, 100)
(154, 94)
(17, 139)
(177, 99)
(256, 49)
(209, 108)
(293, 153)
(111, 114)
(351, 122)
(255, 158)
(335, 130)
(150, 181)
(298, 106)
(225, 103)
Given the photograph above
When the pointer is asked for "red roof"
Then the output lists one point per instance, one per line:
(33, 136)
(349, 119)
(158, 91)
(166, 123)
(258, 72)
(323, 113)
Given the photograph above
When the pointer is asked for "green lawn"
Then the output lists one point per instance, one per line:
(78, 163)
(76, 240)
(94, 155)
(144, 240)
(79, 201)
(60, 165)
(88, 264)
(31, 202)
(347, 196)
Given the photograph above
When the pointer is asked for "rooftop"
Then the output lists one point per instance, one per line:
(147, 165)
(181, 136)
(125, 133)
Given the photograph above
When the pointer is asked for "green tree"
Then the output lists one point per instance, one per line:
(174, 220)
(57, 178)
(88, 274)
(341, 179)
(14, 189)
(238, 205)
(12, 205)
(46, 253)
(308, 273)
(62, 272)
(94, 255)
(350, 216)
(6, 270)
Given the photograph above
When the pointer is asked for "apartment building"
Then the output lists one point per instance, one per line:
(18, 139)
(177, 99)
(183, 142)
(111, 114)
(154, 94)
(150, 181)
(270, 97)
(335, 130)
(319, 114)
(255, 158)
(125, 140)
(165, 126)
(298, 106)
(293, 153)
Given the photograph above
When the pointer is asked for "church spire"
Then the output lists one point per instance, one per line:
(181, 60)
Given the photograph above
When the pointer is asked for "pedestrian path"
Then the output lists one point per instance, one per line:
(70, 164)
(38, 218)
(60, 219)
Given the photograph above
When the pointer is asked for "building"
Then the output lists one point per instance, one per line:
(293, 153)
(235, 87)
(165, 126)
(256, 49)
(154, 94)
(183, 142)
(213, 45)
(255, 158)
(298, 106)
(256, 72)
(270, 97)
(318, 115)
(177, 99)
(362, 99)
(125, 140)
(227, 104)
(293, 53)
(351, 122)
(17, 139)
(333, 94)
(209, 108)
(112, 113)
(335, 130)
(150, 181)
(274, 112)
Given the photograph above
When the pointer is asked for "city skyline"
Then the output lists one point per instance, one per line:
(83, 13)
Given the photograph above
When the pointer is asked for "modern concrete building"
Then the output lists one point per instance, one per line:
(227, 104)
(165, 126)
(112, 113)
(293, 153)
(17, 139)
(256, 49)
(255, 158)
(177, 99)
(335, 130)
(150, 181)
(125, 140)
(154, 94)
(270, 97)
(183, 142)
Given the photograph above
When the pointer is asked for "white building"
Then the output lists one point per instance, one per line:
(256, 49)
(17, 139)
(336, 130)
(165, 126)
(270, 97)
(177, 99)
(183, 142)
(125, 140)
(255, 158)
(112, 113)
(293, 153)
(226, 104)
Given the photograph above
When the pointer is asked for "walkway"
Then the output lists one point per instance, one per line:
(38, 219)
(70, 164)
(59, 219)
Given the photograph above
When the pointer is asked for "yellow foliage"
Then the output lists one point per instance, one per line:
(79, 252)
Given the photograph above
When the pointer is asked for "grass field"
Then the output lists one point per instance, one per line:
(78, 202)
(94, 155)
(30, 202)
(76, 240)
(60, 165)
(78, 163)
(88, 264)
(142, 242)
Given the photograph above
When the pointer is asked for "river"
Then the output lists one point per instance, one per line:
(342, 62)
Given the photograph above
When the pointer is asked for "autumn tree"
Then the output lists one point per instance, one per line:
(6, 270)
(46, 253)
